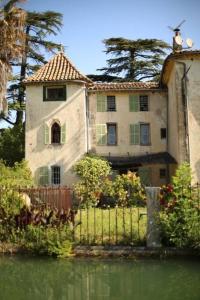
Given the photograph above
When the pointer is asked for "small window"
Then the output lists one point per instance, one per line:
(55, 133)
(112, 134)
(144, 103)
(55, 175)
(111, 103)
(163, 133)
(144, 134)
(162, 173)
(54, 93)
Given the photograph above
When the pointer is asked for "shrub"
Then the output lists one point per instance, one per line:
(92, 171)
(127, 190)
(17, 176)
(180, 215)
(53, 241)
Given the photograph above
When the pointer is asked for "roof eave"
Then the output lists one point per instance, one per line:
(39, 82)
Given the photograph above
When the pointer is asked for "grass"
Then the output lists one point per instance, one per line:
(111, 226)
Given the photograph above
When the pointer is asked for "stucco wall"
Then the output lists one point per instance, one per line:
(156, 117)
(70, 112)
(193, 88)
(184, 140)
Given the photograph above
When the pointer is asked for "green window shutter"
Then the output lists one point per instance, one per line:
(101, 103)
(46, 134)
(63, 134)
(134, 134)
(145, 175)
(101, 134)
(43, 176)
(133, 103)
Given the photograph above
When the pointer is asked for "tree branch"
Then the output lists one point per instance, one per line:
(7, 120)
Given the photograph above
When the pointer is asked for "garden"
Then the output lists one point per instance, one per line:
(105, 211)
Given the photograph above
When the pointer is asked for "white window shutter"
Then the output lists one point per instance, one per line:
(63, 134)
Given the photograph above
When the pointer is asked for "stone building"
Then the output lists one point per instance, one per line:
(145, 127)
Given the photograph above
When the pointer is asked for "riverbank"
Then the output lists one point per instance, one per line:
(112, 251)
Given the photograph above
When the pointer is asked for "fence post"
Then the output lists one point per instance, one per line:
(153, 207)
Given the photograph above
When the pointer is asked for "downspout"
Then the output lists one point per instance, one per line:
(87, 119)
(185, 106)
(167, 125)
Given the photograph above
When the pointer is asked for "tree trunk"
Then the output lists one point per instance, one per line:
(132, 68)
(20, 112)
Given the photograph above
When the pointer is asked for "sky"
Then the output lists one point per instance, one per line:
(86, 23)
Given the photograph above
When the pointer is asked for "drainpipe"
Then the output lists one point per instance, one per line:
(167, 128)
(87, 119)
(185, 106)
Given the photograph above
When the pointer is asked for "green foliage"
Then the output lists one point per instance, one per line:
(12, 145)
(95, 184)
(53, 241)
(38, 230)
(180, 215)
(93, 171)
(127, 189)
(137, 59)
(17, 176)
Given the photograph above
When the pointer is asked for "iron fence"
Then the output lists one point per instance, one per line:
(110, 226)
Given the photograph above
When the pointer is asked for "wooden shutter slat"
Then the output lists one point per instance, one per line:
(101, 134)
(133, 103)
(101, 103)
(44, 175)
(134, 134)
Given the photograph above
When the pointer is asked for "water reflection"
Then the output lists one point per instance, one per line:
(84, 279)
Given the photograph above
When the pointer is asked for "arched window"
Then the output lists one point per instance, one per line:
(55, 133)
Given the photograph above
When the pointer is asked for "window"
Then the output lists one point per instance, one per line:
(111, 134)
(138, 103)
(55, 133)
(163, 133)
(54, 93)
(140, 134)
(111, 105)
(106, 134)
(145, 175)
(55, 175)
(144, 134)
(162, 173)
(144, 103)
(105, 103)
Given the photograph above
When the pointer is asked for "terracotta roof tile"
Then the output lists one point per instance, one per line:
(121, 86)
(59, 68)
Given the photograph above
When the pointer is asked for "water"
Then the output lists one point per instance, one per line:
(25, 278)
